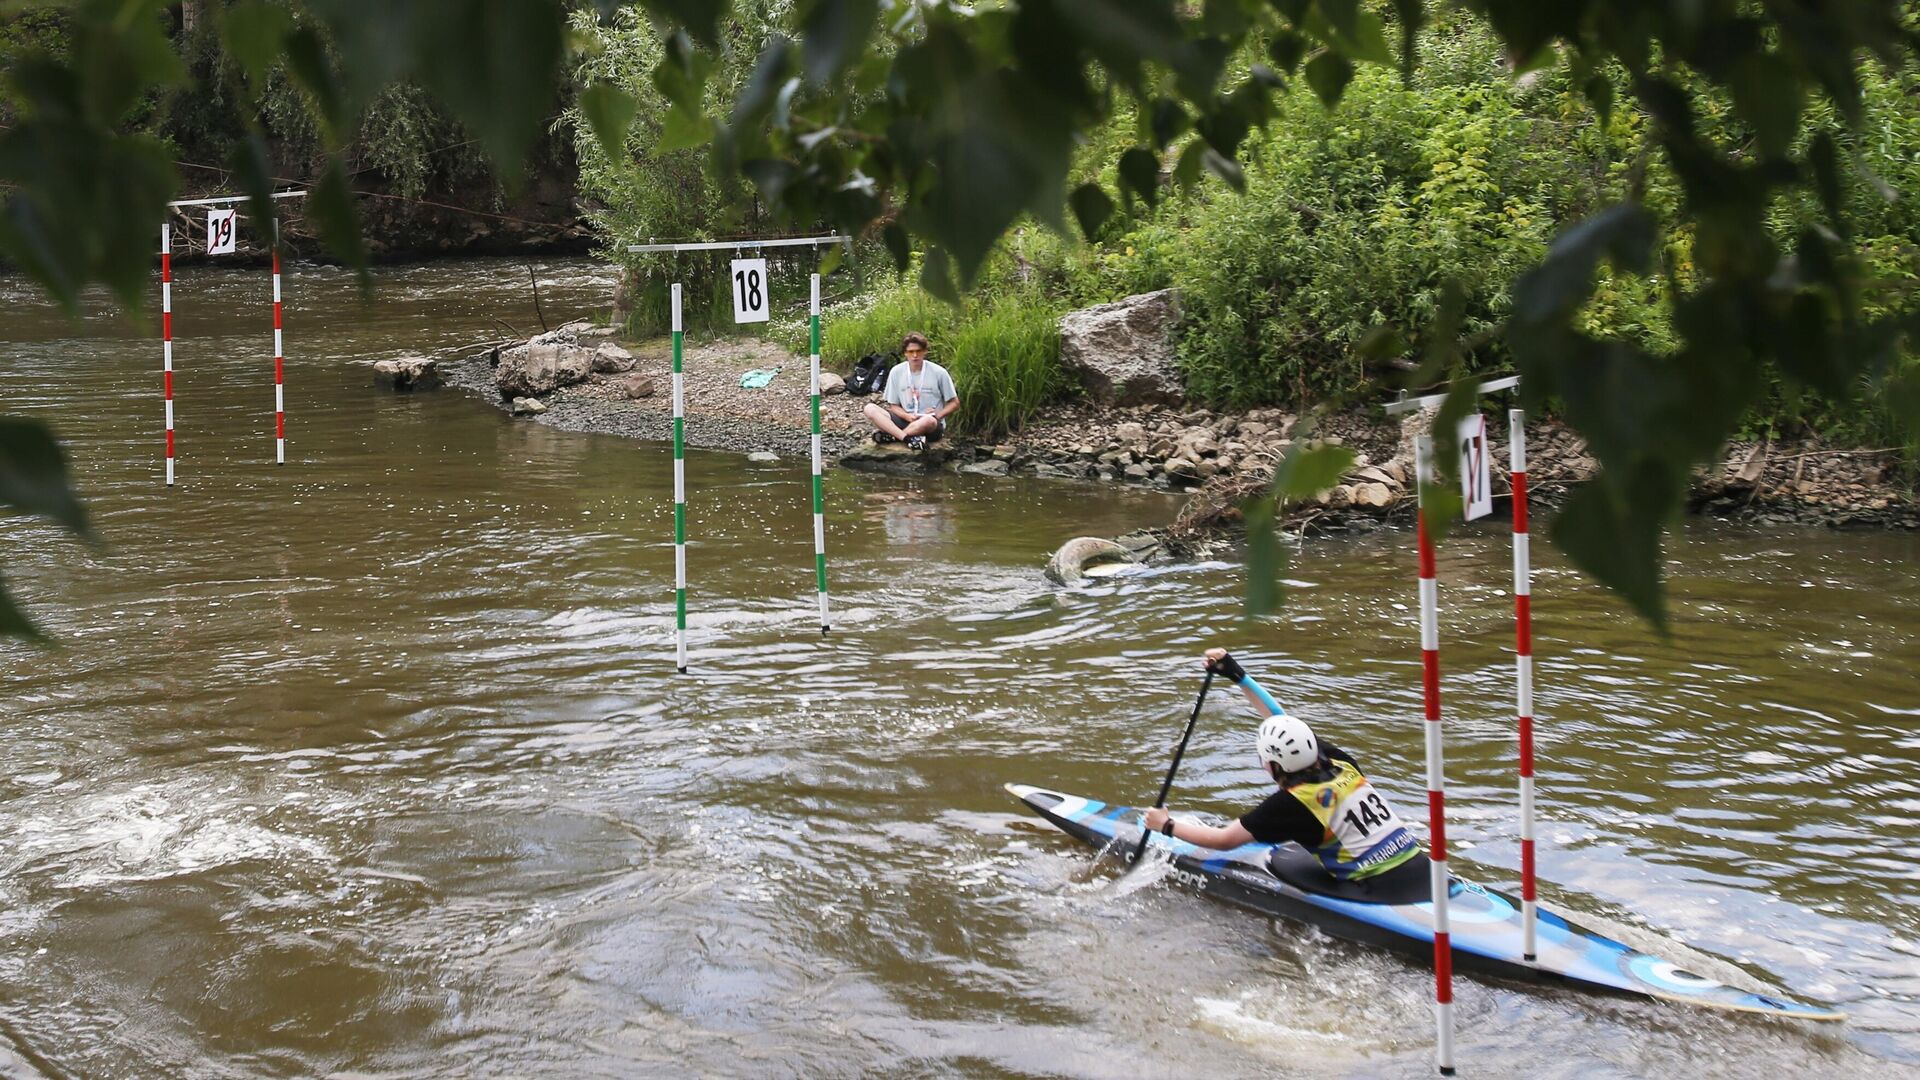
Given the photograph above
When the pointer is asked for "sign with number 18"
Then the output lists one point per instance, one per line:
(220, 232)
(750, 300)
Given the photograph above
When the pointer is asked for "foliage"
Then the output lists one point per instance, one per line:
(952, 123)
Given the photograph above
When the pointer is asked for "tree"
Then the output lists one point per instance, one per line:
(926, 120)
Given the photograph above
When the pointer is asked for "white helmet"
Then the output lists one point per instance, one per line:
(1288, 743)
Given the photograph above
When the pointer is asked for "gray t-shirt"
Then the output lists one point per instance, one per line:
(922, 393)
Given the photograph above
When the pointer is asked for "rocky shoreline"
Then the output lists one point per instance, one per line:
(578, 379)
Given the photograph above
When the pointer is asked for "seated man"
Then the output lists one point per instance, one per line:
(919, 398)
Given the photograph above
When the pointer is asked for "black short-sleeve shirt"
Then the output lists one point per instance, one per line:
(1281, 817)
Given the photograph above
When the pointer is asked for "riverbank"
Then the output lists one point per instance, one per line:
(1218, 458)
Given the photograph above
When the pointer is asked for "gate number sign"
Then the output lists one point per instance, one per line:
(1476, 481)
(750, 300)
(220, 238)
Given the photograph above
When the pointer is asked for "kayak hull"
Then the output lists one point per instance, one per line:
(1486, 925)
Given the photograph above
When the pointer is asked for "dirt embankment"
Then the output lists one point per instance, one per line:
(1219, 458)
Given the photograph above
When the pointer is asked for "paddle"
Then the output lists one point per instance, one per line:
(1178, 752)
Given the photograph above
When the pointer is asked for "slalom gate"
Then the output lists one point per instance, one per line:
(1478, 497)
(222, 239)
(752, 302)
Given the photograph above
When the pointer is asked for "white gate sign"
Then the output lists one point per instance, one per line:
(750, 301)
(220, 232)
(1476, 479)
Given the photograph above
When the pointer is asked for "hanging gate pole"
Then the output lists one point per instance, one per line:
(166, 335)
(1523, 671)
(819, 492)
(679, 493)
(279, 365)
(1436, 767)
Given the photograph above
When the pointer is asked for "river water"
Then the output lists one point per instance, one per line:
(376, 764)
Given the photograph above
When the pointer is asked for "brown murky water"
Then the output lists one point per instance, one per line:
(376, 764)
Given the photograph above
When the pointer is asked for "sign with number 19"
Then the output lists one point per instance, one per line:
(220, 232)
(750, 300)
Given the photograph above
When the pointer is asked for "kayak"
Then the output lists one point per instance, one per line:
(1286, 881)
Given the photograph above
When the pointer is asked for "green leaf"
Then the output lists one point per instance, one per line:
(1286, 49)
(898, 245)
(1266, 556)
(832, 33)
(1768, 96)
(683, 129)
(1328, 74)
(609, 112)
(1091, 207)
(34, 476)
(253, 32)
(700, 17)
(1305, 472)
(1598, 91)
(330, 207)
(311, 71)
(830, 260)
(936, 277)
(1615, 537)
(1140, 175)
(14, 622)
(494, 64)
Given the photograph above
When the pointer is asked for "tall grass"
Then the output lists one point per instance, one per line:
(1006, 365)
(1003, 352)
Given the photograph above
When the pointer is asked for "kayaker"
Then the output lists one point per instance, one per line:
(1324, 804)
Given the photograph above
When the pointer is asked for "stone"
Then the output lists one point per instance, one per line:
(1123, 352)
(831, 384)
(403, 373)
(1047, 471)
(763, 457)
(989, 467)
(1340, 496)
(1184, 468)
(634, 386)
(1372, 496)
(1136, 473)
(1197, 444)
(1377, 476)
(611, 359)
(1250, 429)
(1004, 452)
(526, 406)
(541, 367)
(895, 458)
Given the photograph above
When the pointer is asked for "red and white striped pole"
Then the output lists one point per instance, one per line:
(1523, 670)
(279, 364)
(1436, 766)
(166, 334)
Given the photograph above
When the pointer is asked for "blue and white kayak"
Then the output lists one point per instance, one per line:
(1286, 881)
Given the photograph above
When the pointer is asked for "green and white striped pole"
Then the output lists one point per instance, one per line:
(679, 493)
(819, 492)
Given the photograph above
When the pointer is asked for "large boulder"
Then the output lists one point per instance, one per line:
(541, 366)
(1123, 351)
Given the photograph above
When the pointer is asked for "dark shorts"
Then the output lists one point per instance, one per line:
(931, 436)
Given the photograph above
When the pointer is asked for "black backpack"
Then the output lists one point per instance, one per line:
(869, 375)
